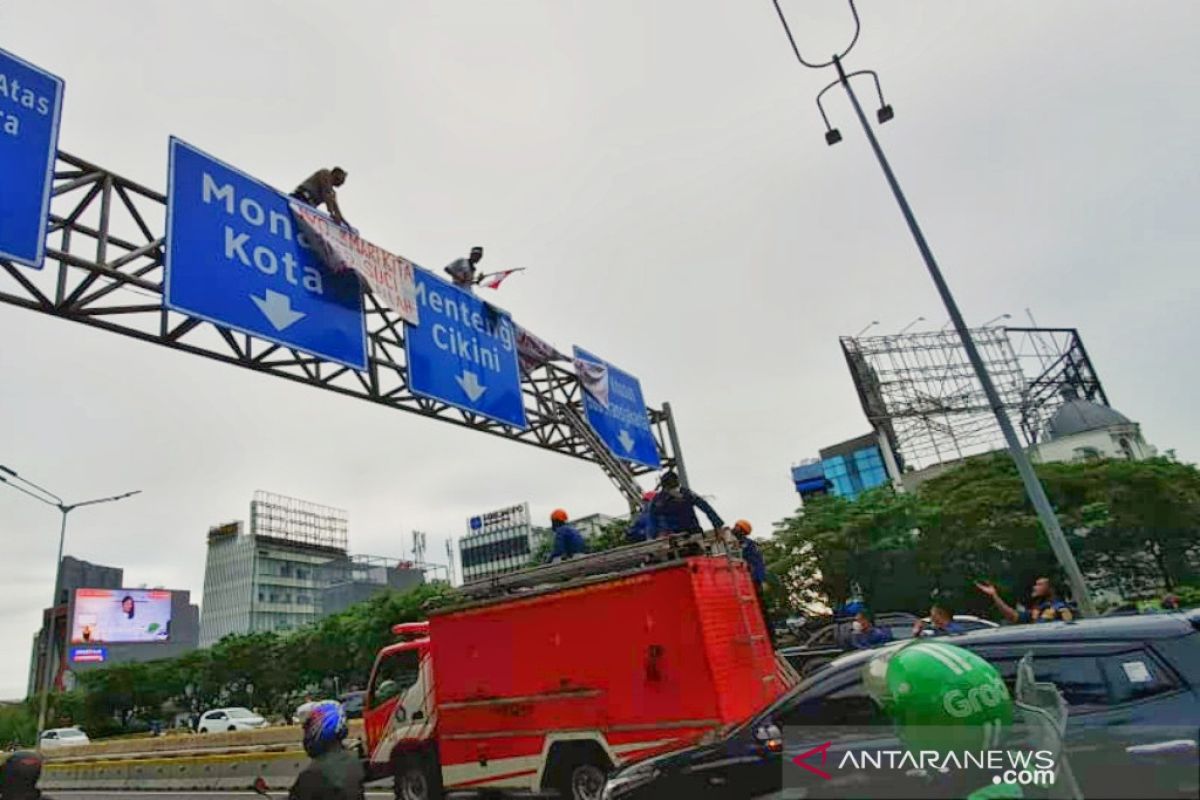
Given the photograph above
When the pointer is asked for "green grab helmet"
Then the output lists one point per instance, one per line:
(940, 697)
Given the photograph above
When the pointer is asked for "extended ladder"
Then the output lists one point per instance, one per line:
(617, 471)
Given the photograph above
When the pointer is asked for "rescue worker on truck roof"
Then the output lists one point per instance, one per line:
(642, 527)
(757, 566)
(320, 188)
(673, 509)
(568, 542)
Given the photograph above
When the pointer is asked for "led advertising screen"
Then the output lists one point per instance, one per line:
(121, 616)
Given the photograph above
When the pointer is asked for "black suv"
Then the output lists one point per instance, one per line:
(1138, 675)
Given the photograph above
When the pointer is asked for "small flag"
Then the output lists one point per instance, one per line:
(494, 279)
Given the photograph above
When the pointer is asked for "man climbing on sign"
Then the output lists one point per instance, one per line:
(463, 270)
(321, 189)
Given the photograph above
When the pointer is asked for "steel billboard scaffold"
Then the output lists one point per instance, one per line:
(921, 391)
(105, 253)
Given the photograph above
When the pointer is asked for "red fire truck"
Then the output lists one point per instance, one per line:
(532, 685)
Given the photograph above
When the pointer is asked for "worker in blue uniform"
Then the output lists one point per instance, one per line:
(568, 541)
(753, 557)
(642, 527)
(673, 509)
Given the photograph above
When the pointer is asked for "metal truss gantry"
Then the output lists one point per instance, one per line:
(922, 392)
(104, 269)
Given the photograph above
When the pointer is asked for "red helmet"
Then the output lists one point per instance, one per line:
(558, 515)
(648, 496)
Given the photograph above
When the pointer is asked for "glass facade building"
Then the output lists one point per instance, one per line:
(846, 469)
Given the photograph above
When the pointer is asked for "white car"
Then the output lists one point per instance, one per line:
(63, 737)
(230, 719)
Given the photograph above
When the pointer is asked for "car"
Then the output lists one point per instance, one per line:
(832, 640)
(1134, 677)
(62, 737)
(230, 719)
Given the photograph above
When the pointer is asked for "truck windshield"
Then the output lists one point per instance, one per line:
(396, 673)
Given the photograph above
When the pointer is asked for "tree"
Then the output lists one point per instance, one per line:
(838, 547)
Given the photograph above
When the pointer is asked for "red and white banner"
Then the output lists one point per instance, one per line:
(535, 351)
(594, 377)
(391, 277)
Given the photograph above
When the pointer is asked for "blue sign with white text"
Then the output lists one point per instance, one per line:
(30, 107)
(617, 413)
(235, 257)
(464, 352)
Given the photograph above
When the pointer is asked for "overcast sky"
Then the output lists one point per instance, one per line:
(659, 168)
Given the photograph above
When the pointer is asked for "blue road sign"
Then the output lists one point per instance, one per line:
(234, 258)
(623, 425)
(464, 352)
(30, 107)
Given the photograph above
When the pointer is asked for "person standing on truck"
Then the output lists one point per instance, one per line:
(752, 555)
(320, 188)
(568, 542)
(673, 509)
(335, 773)
(642, 527)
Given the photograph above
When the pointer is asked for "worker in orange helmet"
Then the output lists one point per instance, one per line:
(642, 527)
(568, 541)
(758, 568)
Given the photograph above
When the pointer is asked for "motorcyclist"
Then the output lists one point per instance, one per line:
(944, 700)
(19, 774)
(335, 773)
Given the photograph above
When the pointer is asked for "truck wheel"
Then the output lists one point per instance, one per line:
(418, 778)
(583, 780)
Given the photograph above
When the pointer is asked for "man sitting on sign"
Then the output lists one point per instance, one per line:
(321, 189)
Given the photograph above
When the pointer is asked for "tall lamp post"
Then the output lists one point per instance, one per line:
(64, 509)
(1033, 487)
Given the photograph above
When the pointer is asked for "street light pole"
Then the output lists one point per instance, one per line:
(1033, 487)
(48, 638)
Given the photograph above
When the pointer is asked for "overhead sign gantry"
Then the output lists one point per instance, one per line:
(239, 293)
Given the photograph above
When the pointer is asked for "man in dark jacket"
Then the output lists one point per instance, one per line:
(334, 773)
(19, 775)
(673, 509)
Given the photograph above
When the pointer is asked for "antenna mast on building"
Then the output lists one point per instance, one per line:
(418, 547)
(450, 558)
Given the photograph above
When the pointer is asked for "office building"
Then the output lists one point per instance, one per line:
(845, 469)
(497, 542)
(290, 568)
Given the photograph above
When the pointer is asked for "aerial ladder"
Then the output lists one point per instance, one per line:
(616, 470)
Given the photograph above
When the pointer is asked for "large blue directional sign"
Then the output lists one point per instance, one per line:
(235, 258)
(30, 107)
(464, 352)
(620, 418)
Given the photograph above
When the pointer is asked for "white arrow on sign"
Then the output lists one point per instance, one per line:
(626, 440)
(469, 382)
(277, 308)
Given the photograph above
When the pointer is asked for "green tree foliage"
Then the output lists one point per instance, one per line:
(1135, 526)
